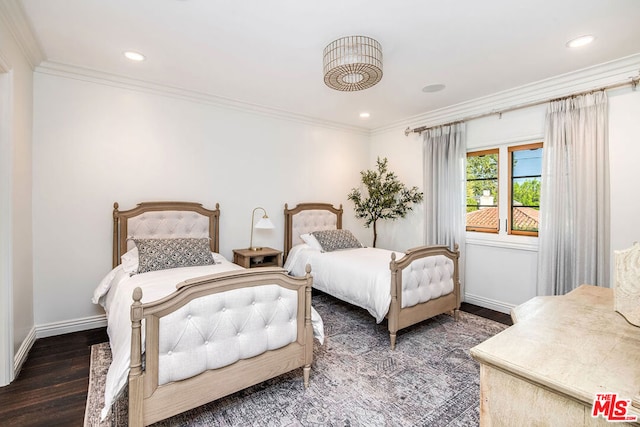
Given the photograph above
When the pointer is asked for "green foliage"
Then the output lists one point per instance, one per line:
(484, 166)
(386, 197)
(526, 193)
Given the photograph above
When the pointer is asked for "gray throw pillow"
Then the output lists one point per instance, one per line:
(161, 254)
(333, 240)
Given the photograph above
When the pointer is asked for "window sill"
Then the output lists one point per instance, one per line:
(522, 243)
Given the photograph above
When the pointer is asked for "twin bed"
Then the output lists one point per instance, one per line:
(186, 326)
(198, 327)
(406, 288)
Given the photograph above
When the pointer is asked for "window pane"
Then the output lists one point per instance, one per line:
(526, 172)
(526, 204)
(526, 192)
(527, 163)
(482, 192)
(484, 166)
(525, 219)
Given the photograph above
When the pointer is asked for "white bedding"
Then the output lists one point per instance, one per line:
(115, 294)
(358, 276)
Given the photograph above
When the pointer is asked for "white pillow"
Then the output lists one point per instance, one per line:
(311, 240)
(219, 259)
(105, 285)
(129, 260)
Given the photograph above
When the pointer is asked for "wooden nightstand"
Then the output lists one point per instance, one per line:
(265, 257)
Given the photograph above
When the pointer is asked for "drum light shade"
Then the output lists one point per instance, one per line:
(352, 63)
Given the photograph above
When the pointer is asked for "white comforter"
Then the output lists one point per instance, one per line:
(358, 276)
(115, 294)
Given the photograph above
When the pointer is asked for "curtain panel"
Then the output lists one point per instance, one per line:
(445, 156)
(574, 202)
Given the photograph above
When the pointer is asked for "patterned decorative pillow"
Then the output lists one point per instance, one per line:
(333, 240)
(161, 254)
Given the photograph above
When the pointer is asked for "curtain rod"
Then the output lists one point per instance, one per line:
(634, 83)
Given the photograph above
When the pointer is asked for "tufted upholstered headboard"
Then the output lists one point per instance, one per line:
(308, 217)
(161, 220)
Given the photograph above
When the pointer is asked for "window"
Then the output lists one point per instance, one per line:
(514, 197)
(482, 191)
(525, 172)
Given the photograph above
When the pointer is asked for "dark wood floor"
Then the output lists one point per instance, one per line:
(51, 389)
(487, 313)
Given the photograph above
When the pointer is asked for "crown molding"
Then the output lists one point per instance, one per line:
(12, 15)
(591, 78)
(114, 80)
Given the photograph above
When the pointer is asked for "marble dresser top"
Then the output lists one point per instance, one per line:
(575, 345)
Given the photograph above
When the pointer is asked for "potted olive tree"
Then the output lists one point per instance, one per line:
(385, 196)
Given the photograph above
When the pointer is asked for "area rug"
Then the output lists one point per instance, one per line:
(356, 380)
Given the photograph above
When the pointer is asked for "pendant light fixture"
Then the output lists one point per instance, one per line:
(352, 63)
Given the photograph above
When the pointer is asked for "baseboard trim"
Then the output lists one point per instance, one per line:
(481, 301)
(74, 325)
(21, 356)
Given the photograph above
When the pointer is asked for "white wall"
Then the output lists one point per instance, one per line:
(22, 204)
(95, 144)
(15, 149)
(624, 150)
(405, 160)
(498, 274)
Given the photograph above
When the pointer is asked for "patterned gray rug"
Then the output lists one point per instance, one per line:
(356, 380)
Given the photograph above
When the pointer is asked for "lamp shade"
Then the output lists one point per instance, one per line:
(352, 63)
(264, 223)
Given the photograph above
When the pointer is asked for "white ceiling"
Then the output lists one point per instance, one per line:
(269, 52)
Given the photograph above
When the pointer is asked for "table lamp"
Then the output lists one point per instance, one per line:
(263, 223)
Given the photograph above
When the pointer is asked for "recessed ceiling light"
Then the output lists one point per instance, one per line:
(365, 115)
(433, 88)
(580, 41)
(134, 56)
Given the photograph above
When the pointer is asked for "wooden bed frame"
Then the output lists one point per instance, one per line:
(397, 317)
(122, 232)
(150, 402)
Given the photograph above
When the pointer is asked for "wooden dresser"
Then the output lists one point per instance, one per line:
(547, 368)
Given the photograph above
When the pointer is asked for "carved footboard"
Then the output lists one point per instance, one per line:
(424, 283)
(217, 335)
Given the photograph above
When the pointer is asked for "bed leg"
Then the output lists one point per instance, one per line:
(392, 336)
(305, 373)
(136, 384)
(456, 314)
